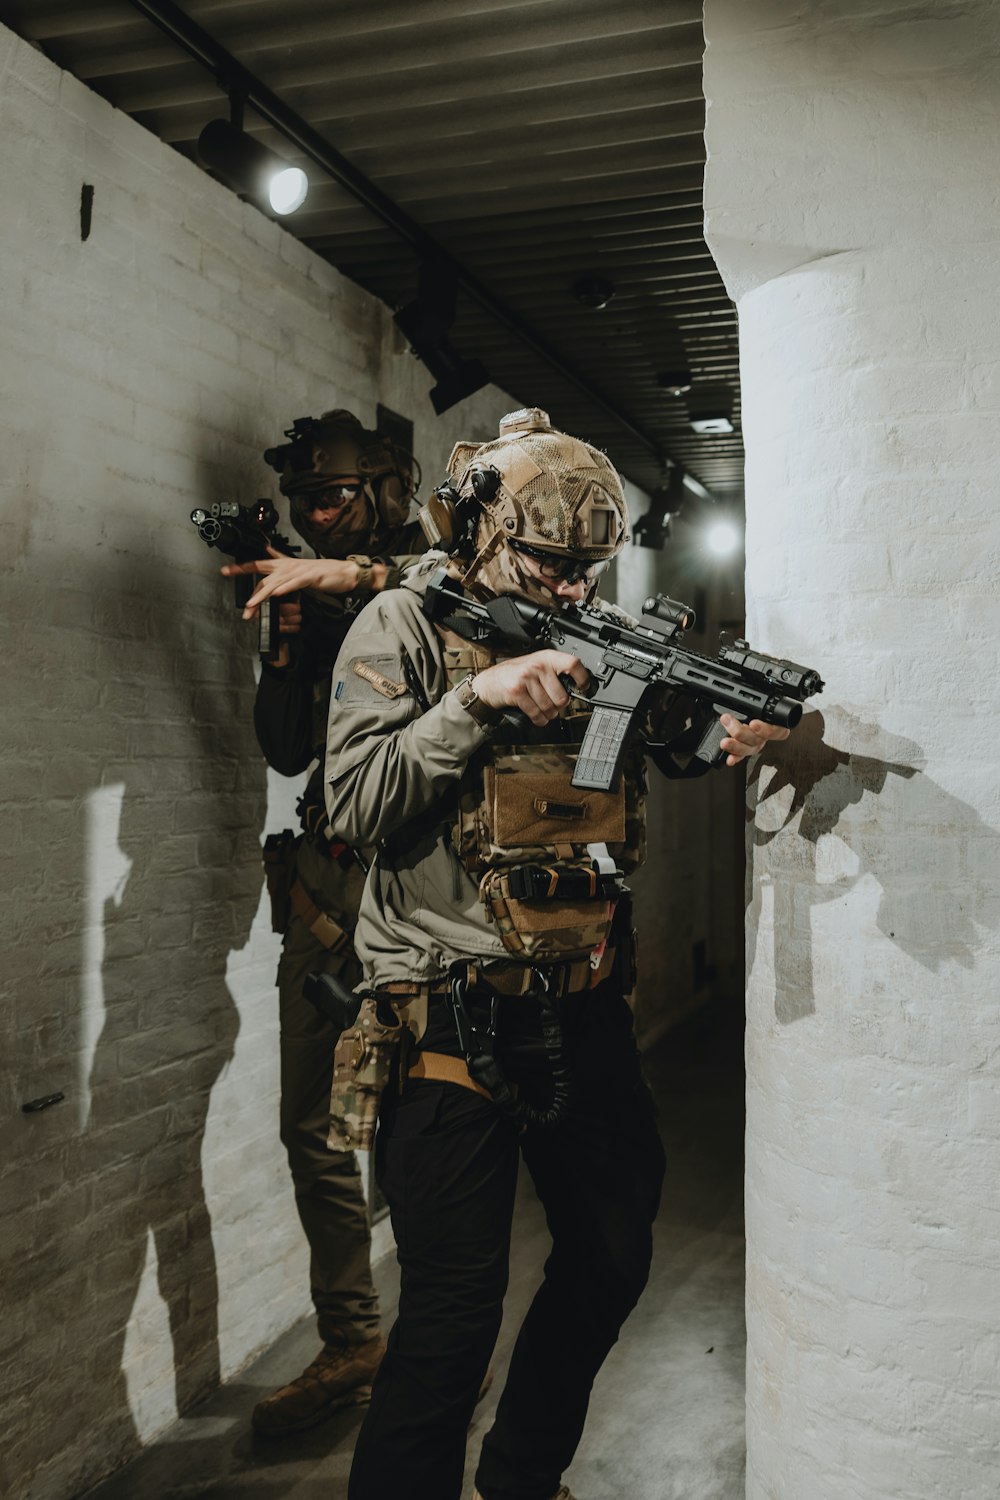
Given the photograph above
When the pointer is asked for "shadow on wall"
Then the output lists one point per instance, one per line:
(146, 877)
(888, 822)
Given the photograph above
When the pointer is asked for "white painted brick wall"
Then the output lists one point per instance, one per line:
(144, 372)
(141, 373)
(852, 150)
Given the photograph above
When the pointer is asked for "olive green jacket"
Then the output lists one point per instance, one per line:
(393, 767)
(398, 743)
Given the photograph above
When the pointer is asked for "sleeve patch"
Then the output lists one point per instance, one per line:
(374, 674)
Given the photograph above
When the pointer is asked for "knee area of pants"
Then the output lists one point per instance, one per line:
(310, 1163)
(617, 1273)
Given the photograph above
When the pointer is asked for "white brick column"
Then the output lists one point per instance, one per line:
(851, 203)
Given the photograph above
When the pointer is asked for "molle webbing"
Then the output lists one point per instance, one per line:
(461, 657)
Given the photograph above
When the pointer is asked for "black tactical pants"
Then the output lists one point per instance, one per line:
(447, 1162)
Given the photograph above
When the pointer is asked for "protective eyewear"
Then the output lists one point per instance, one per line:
(333, 497)
(559, 569)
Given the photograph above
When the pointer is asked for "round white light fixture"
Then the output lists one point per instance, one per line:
(722, 539)
(251, 169)
(287, 190)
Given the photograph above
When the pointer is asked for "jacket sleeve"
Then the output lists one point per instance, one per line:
(284, 707)
(397, 738)
(283, 716)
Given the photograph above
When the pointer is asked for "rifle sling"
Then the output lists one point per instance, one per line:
(322, 927)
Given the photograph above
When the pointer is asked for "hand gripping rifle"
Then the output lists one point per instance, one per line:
(246, 532)
(628, 665)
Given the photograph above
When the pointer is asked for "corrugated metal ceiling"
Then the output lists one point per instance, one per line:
(537, 141)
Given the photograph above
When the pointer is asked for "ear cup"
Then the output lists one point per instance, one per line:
(485, 483)
(449, 518)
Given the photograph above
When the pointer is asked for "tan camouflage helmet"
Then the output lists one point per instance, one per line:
(335, 446)
(539, 486)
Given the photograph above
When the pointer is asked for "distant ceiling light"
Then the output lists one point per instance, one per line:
(712, 422)
(674, 382)
(250, 168)
(593, 291)
(722, 539)
(710, 409)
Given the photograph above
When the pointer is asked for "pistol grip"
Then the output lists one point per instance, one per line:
(709, 750)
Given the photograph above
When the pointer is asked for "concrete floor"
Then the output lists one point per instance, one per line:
(666, 1419)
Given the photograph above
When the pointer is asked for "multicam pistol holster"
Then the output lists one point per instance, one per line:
(362, 1067)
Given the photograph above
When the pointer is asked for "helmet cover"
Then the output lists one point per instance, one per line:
(540, 486)
(340, 447)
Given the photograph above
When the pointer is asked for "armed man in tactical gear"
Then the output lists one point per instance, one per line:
(349, 492)
(496, 940)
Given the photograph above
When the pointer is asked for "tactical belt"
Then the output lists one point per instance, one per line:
(516, 979)
(322, 927)
(440, 1068)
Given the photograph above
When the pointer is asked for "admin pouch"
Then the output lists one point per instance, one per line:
(542, 925)
(362, 1068)
(548, 855)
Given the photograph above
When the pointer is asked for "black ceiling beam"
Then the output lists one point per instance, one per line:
(234, 78)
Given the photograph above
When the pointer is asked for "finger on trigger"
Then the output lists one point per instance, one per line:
(554, 688)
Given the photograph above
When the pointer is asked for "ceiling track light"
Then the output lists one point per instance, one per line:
(426, 323)
(231, 76)
(653, 528)
(250, 168)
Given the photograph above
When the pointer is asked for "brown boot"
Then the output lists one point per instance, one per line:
(340, 1375)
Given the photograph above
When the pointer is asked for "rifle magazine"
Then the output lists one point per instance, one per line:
(602, 750)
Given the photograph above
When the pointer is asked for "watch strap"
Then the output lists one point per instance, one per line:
(482, 714)
(366, 574)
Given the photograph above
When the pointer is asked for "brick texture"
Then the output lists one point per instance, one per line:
(149, 1239)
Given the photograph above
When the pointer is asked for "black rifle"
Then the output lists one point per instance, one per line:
(246, 532)
(628, 664)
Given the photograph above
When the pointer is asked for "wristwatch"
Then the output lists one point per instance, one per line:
(482, 713)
